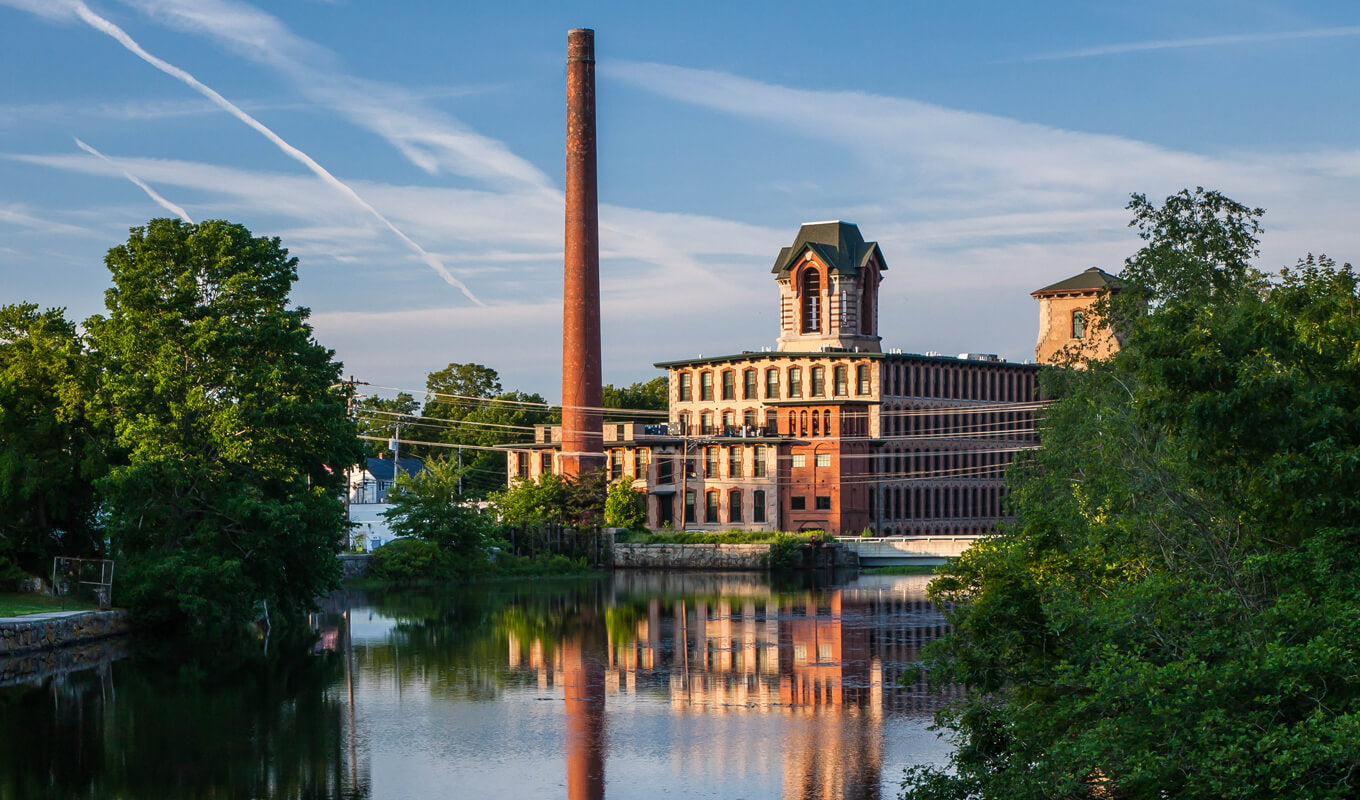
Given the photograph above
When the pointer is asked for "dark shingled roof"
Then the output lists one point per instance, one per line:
(838, 244)
(381, 468)
(1093, 279)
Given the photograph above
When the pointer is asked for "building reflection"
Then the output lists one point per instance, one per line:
(834, 658)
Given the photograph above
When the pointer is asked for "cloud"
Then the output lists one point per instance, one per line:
(83, 13)
(1196, 41)
(139, 183)
(429, 139)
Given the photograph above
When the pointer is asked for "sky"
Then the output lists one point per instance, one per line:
(411, 156)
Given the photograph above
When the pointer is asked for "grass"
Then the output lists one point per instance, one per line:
(903, 569)
(17, 605)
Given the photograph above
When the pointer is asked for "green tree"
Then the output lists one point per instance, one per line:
(623, 507)
(1174, 615)
(380, 418)
(428, 505)
(649, 395)
(231, 425)
(51, 449)
(465, 405)
(533, 502)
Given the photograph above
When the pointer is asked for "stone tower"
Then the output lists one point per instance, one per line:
(1066, 322)
(828, 290)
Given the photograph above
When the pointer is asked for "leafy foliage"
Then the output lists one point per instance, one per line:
(232, 438)
(644, 395)
(429, 506)
(578, 500)
(382, 418)
(1174, 615)
(51, 447)
(466, 405)
(623, 506)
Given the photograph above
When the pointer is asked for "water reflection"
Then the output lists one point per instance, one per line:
(642, 685)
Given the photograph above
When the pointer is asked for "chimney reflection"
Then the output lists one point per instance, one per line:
(583, 690)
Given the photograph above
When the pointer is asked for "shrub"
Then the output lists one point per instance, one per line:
(410, 560)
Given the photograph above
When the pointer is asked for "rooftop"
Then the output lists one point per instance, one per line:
(1093, 279)
(838, 244)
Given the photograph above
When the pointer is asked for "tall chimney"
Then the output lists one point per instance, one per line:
(582, 396)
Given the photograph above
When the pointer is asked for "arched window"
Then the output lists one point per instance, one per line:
(793, 423)
(812, 301)
(866, 306)
(734, 506)
(826, 422)
(816, 428)
(802, 424)
(711, 506)
(1078, 324)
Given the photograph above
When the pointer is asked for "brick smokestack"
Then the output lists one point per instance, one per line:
(582, 422)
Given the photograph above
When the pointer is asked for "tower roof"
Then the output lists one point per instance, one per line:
(1093, 279)
(838, 244)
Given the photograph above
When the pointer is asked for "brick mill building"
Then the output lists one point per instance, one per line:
(825, 431)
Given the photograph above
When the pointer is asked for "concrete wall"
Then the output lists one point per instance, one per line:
(691, 556)
(42, 631)
(354, 565)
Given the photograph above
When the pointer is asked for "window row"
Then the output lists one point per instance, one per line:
(965, 381)
(962, 464)
(946, 422)
(943, 502)
(735, 512)
(725, 423)
(792, 386)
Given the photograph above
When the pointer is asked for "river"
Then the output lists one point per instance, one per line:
(635, 685)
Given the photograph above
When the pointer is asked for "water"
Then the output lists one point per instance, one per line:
(633, 686)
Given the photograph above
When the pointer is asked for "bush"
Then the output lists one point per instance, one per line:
(411, 560)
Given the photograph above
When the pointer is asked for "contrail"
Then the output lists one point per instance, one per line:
(100, 24)
(152, 193)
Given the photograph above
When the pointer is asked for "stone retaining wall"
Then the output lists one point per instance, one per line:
(43, 631)
(691, 556)
(354, 565)
(38, 665)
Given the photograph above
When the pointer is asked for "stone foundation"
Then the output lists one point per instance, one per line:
(46, 631)
(354, 565)
(691, 556)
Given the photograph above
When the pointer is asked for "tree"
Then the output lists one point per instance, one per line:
(428, 505)
(623, 507)
(231, 427)
(650, 395)
(1174, 615)
(52, 449)
(381, 418)
(465, 405)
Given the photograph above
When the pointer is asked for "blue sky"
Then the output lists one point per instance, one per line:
(411, 155)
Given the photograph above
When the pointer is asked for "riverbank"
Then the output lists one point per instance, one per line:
(56, 629)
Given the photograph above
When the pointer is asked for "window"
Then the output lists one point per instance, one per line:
(706, 423)
(799, 461)
(729, 419)
(758, 506)
(823, 459)
(615, 464)
(705, 386)
(748, 418)
(685, 429)
(793, 423)
(772, 384)
(545, 462)
(816, 428)
(689, 507)
(734, 462)
(710, 462)
(826, 422)
(734, 506)
(748, 387)
(665, 470)
(523, 465)
(729, 385)
(823, 503)
(798, 503)
(812, 301)
(758, 464)
(710, 507)
(818, 381)
(686, 387)
(839, 387)
(691, 465)
(640, 464)
(771, 422)
(1078, 324)
(802, 423)
(795, 381)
